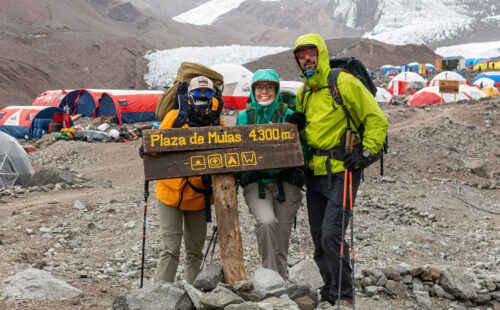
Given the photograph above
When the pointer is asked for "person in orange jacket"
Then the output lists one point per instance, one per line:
(182, 202)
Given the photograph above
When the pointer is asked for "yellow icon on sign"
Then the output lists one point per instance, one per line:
(215, 161)
(232, 160)
(249, 158)
(198, 163)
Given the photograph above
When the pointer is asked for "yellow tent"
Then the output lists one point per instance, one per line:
(491, 91)
(482, 66)
(494, 65)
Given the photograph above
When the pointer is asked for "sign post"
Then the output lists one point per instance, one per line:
(448, 86)
(221, 151)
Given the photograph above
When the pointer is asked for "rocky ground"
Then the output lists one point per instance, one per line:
(86, 228)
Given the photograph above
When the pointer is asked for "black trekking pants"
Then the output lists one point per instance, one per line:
(324, 207)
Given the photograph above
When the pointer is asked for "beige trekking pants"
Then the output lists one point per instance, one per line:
(274, 222)
(194, 232)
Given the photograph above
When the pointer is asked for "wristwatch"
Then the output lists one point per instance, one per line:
(367, 154)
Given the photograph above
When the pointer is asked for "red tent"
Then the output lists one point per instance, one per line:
(129, 106)
(50, 98)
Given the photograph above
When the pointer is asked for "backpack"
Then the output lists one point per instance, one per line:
(171, 100)
(357, 69)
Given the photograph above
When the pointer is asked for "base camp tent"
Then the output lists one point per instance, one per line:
(490, 91)
(51, 98)
(129, 106)
(81, 101)
(383, 96)
(484, 82)
(447, 76)
(26, 122)
(232, 73)
(15, 165)
(431, 95)
(235, 95)
(398, 85)
(495, 76)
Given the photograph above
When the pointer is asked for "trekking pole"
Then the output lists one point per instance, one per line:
(348, 148)
(214, 230)
(213, 248)
(146, 195)
(352, 239)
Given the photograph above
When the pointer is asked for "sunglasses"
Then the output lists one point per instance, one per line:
(199, 92)
(261, 87)
(313, 51)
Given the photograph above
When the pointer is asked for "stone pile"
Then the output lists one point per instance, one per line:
(423, 283)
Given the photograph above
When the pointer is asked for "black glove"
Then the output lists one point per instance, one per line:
(298, 118)
(355, 159)
(141, 151)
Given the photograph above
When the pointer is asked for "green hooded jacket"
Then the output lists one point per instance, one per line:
(264, 114)
(326, 125)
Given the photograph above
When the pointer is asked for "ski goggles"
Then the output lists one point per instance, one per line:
(199, 92)
(313, 51)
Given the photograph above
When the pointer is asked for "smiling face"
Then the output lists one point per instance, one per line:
(264, 91)
(307, 57)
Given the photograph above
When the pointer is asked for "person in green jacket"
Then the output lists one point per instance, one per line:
(273, 196)
(322, 124)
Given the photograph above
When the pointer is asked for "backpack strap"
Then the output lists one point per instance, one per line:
(278, 115)
(251, 114)
(207, 193)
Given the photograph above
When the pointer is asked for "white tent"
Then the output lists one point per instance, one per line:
(15, 165)
(484, 82)
(471, 92)
(448, 76)
(406, 77)
(232, 73)
(383, 96)
(291, 86)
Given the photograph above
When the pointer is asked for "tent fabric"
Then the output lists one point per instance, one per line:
(490, 91)
(15, 165)
(133, 105)
(108, 106)
(232, 73)
(484, 82)
(81, 101)
(51, 98)
(383, 96)
(494, 65)
(471, 92)
(495, 76)
(431, 95)
(447, 76)
(402, 80)
(19, 121)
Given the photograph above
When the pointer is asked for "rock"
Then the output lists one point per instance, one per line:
(371, 291)
(33, 283)
(160, 295)
(403, 269)
(438, 290)
(495, 295)
(407, 279)
(391, 273)
(219, 298)
(78, 205)
(297, 290)
(482, 299)
(52, 175)
(423, 299)
(306, 271)
(305, 303)
(243, 286)
(247, 305)
(477, 167)
(267, 282)
(397, 288)
(453, 281)
(388, 179)
(209, 277)
(434, 273)
(279, 303)
(194, 295)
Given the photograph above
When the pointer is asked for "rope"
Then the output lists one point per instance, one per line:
(473, 206)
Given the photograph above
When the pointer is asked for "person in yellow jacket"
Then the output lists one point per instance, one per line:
(322, 123)
(181, 206)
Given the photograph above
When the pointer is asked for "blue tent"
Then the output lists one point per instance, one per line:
(81, 101)
(495, 76)
(470, 62)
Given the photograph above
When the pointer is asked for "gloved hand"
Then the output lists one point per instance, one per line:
(355, 159)
(141, 151)
(298, 118)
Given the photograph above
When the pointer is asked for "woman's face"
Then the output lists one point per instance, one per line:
(264, 91)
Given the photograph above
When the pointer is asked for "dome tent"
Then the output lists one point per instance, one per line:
(15, 165)
(447, 76)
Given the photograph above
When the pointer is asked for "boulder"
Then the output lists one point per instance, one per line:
(454, 282)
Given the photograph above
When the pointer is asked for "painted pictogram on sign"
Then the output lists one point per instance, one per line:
(215, 161)
(198, 163)
(249, 158)
(232, 159)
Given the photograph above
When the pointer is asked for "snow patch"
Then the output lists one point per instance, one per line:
(163, 65)
(471, 50)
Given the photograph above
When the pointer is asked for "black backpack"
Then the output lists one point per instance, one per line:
(357, 69)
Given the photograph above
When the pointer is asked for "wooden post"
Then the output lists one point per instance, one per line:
(228, 223)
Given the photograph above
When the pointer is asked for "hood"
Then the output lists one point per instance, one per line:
(267, 111)
(320, 77)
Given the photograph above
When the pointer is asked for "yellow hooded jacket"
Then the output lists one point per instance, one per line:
(324, 125)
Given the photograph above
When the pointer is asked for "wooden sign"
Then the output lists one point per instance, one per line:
(448, 86)
(438, 64)
(184, 152)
